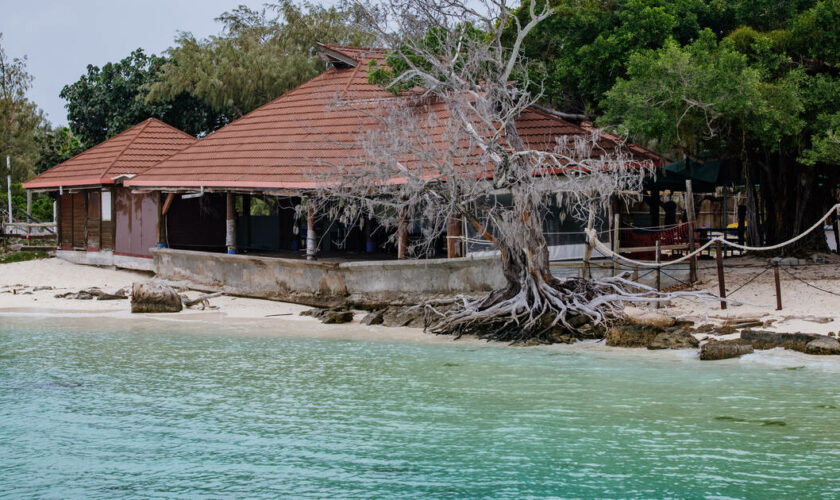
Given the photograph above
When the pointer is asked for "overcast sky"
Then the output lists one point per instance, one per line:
(61, 37)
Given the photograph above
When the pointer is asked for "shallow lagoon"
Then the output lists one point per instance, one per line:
(105, 408)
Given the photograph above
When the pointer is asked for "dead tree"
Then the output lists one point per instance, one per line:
(447, 145)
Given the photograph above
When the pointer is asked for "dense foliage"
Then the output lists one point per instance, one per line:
(106, 101)
(258, 56)
(754, 82)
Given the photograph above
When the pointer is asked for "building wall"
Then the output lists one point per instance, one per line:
(80, 224)
(136, 222)
(368, 283)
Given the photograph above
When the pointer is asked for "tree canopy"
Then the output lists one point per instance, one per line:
(106, 101)
(258, 56)
(20, 119)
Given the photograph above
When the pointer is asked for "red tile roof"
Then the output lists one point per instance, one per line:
(130, 152)
(290, 141)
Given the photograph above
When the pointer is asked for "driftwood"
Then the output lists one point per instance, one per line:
(203, 300)
(154, 297)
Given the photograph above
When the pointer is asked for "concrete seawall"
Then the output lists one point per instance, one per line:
(363, 283)
(316, 283)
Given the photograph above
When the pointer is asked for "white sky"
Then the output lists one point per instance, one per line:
(61, 37)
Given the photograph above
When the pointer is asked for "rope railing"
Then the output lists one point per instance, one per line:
(592, 239)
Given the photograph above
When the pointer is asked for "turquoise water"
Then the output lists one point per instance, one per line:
(108, 409)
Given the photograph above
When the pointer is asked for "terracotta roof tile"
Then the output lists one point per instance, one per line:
(129, 152)
(290, 140)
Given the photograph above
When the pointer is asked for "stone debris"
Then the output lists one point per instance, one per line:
(724, 349)
(823, 345)
(809, 343)
(330, 316)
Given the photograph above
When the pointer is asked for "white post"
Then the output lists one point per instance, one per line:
(311, 238)
(9, 184)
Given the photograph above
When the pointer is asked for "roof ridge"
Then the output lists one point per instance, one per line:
(145, 124)
(176, 129)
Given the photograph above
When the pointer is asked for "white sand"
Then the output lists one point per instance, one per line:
(251, 316)
(804, 309)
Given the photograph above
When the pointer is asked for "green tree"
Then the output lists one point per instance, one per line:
(106, 101)
(258, 56)
(55, 146)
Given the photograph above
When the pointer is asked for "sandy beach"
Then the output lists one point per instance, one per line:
(20, 296)
(806, 309)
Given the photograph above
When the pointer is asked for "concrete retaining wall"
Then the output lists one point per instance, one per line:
(106, 258)
(329, 283)
(366, 283)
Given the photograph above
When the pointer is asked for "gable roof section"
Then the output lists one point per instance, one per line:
(127, 153)
(289, 142)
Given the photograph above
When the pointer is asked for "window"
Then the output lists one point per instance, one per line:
(106, 206)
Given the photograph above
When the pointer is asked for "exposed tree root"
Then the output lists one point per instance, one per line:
(544, 312)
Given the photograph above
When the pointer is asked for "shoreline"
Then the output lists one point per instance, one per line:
(262, 317)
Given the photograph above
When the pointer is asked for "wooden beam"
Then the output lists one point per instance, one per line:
(690, 215)
(454, 225)
(402, 234)
(170, 197)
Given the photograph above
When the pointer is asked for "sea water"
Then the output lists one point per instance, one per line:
(102, 409)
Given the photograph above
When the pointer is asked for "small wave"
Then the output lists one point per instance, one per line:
(786, 359)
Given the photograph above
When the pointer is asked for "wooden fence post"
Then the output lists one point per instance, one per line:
(616, 242)
(836, 230)
(658, 269)
(587, 252)
(689, 208)
(721, 281)
(778, 286)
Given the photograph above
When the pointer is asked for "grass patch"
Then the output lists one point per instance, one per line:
(23, 256)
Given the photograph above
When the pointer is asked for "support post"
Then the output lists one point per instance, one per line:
(654, 207)
(721, 280)
(9, 184)
(725, 211)
(616, 242)
(402, 234)
(28, 212)
(311, 239)
(636, 273)
(836, 229)
(453, 236)
(689, 208)
(658, 270)
(778, 286)
(587, 252)
(742, 223)
(230, 225)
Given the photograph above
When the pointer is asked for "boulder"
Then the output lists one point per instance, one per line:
(412, 317)
(629, 335)
(761, 339)
(675, 339)
(332, 316)
(823, 345)
(373, 318)
(724, 349)
(648, 318)
(154, 297)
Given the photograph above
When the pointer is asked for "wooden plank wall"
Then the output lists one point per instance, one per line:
(92, 222)
(65, 221)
